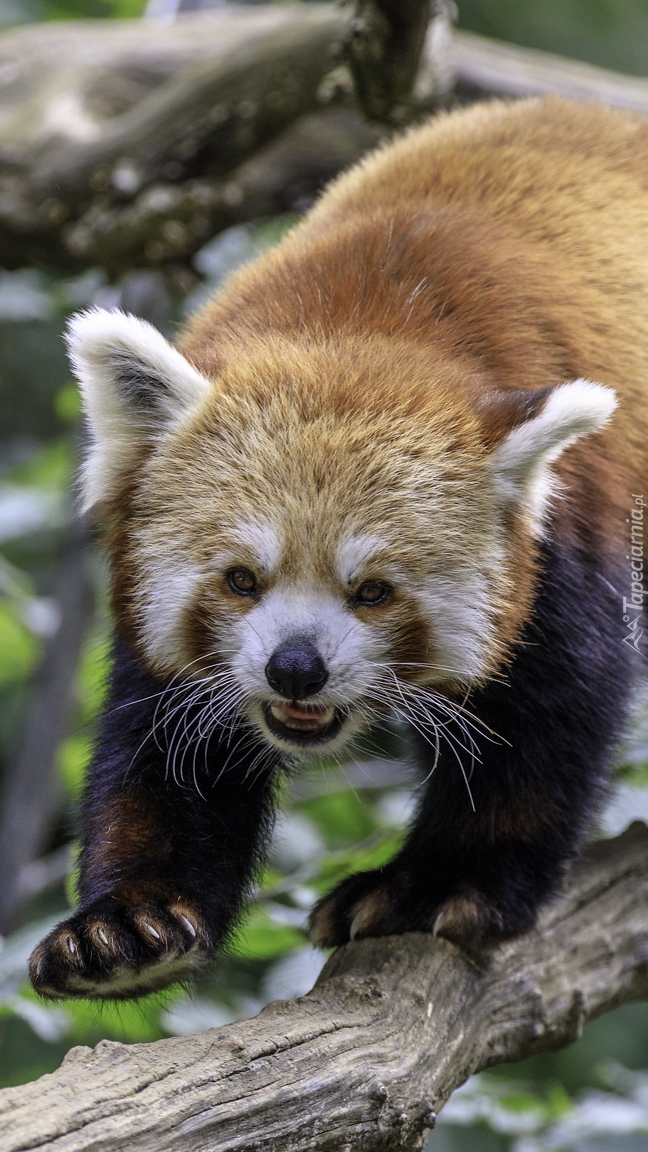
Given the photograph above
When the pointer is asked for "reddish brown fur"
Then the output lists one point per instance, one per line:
(128, 830)
(351, 421)
(516, 210)
(359, 385)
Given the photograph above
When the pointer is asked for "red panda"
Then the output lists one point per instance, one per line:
(390, 468)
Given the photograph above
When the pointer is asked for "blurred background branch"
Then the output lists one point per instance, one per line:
(31, 794)
(385, 46)
(152, 144)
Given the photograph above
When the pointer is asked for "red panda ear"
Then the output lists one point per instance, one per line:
(134, 385)
(547, 423)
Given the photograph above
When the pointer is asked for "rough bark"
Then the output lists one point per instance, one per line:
(368, 1058)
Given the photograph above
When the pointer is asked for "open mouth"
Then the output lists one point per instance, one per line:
(302, 724)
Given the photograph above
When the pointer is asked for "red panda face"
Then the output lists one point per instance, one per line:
(322, 534)
(308, 587)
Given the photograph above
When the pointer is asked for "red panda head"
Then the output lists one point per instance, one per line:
(324, 532)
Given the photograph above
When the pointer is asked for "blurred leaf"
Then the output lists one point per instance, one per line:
(72, 759)
(91, 9)
(51, 467)
(19, 647)
(341, 816)
(261, 937)
(90, 689)
(559, 1102)
(129, 1020)
(93, 672)
(67, 404)
(519, 1101)
(374, 853)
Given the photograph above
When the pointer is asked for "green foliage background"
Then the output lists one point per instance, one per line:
(593, 1096)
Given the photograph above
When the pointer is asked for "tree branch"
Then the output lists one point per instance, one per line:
(85, 180)
(384, 48)
(491, 68)
(154, 143)
(368, 1058)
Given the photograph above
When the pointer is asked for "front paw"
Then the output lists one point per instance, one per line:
(391, 901)
(472, 921)
(115, 949)
(365, 904)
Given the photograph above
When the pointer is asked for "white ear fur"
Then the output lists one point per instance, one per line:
(522, 461)
(134, 385)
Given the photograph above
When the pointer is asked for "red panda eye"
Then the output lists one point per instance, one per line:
(372, 592)
(242, 581)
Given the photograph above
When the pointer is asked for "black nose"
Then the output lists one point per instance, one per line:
(296, 670)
